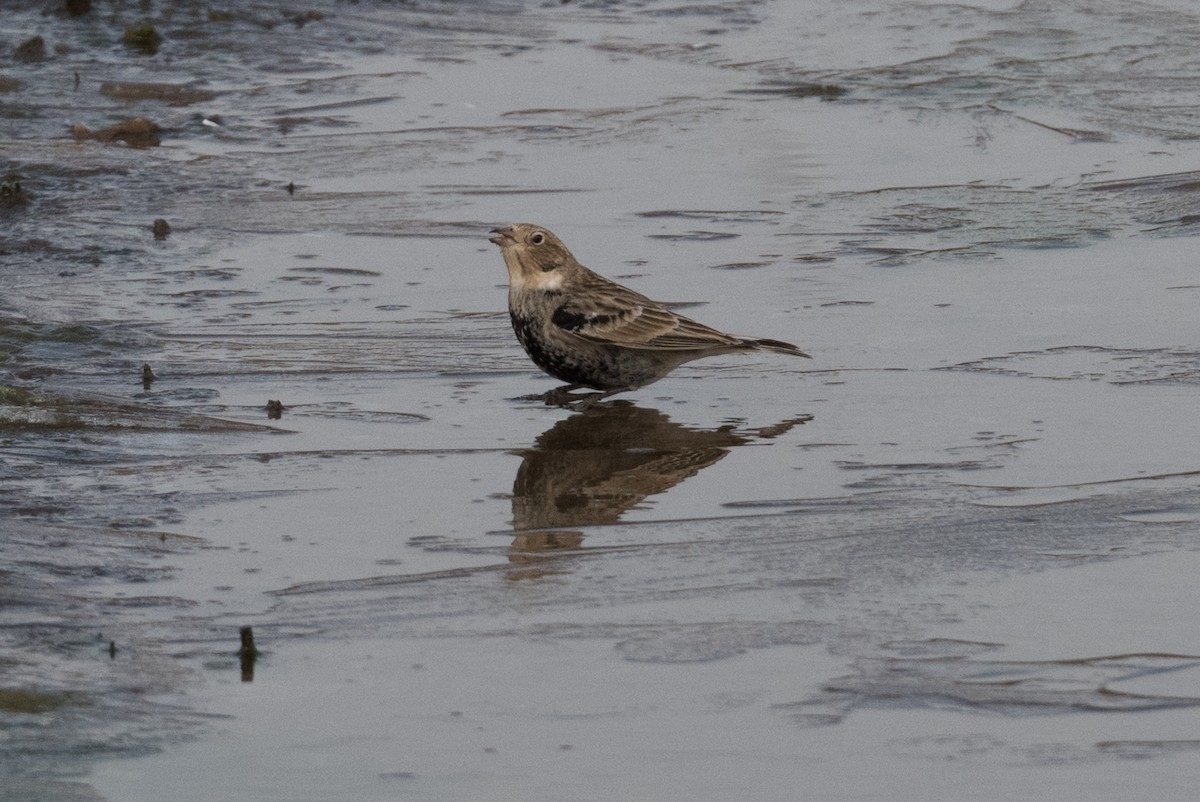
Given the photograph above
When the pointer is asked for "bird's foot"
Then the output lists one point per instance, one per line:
(566, 397)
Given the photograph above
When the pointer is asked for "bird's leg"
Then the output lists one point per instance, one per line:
(563, 396)
(558, 396)
(591, 399)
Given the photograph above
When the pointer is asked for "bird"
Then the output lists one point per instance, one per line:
(590, 332)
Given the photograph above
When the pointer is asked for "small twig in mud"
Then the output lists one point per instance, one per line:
(1078, 134)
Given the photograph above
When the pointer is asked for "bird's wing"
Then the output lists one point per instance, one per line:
(613, 315)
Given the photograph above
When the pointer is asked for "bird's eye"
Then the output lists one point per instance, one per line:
(538, 238)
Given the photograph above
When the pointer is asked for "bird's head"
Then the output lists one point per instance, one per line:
(536, 259)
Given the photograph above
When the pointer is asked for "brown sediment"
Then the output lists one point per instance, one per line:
(137, 133)
(172, 94)
(143, 38)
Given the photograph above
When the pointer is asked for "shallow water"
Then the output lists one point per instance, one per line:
(954, 555)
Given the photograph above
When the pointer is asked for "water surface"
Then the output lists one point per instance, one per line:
(954, 552)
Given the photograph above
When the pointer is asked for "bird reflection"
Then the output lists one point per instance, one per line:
(592, 467)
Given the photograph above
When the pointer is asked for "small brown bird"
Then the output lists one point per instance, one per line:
(588, 331)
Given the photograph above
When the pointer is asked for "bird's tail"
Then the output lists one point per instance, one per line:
(778, 346)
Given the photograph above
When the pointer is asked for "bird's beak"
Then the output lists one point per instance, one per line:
(503, 236)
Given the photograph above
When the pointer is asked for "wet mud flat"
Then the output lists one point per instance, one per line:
(955, 552)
